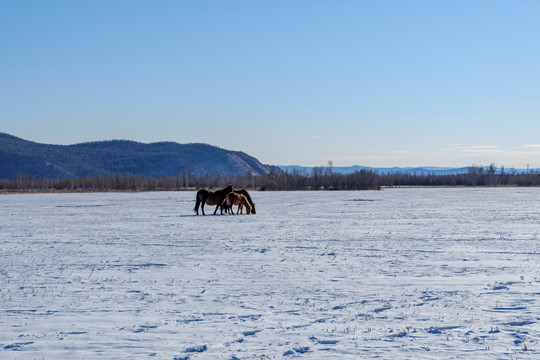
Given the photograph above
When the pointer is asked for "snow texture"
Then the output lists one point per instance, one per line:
(398, 273)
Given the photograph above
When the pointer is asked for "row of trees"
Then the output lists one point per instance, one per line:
(321, 178)
(474, 177)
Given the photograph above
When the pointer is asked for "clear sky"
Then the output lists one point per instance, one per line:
(375, 83)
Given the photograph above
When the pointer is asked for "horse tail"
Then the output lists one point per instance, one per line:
(197, 203)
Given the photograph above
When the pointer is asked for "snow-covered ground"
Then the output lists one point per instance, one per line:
(397, 273)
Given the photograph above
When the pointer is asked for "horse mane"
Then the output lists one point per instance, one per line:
(225, 191)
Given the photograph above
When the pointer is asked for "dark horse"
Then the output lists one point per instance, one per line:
(246, 194)
(211, 198)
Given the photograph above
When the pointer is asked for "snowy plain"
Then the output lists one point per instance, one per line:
(407, 273)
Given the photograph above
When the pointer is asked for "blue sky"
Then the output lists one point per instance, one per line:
(376, 83)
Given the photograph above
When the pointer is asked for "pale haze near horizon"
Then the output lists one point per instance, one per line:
(385, 83)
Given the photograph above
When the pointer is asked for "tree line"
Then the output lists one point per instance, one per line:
(320, 178)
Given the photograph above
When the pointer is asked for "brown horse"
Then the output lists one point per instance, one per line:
(248, 197)
(237, 199)
(211, 198)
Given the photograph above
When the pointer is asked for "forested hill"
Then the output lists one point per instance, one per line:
(105, 158)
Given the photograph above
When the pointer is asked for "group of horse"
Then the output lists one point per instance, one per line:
(224, 199)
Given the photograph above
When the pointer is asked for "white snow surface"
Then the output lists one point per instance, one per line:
(403, 273)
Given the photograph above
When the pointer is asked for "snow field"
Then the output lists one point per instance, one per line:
(398, 273)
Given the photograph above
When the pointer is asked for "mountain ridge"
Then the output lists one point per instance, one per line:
(112, 157)
(157, 159)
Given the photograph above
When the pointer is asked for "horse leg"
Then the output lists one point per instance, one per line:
(225, 205)
(221, 209)
(197, 203)
(202, 208)
(215, 211)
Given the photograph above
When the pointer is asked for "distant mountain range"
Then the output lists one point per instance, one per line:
(428, 170)
(105, 158)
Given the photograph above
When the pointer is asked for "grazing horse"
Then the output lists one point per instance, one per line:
(237, 199)
(211, 198)
(246, 194)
